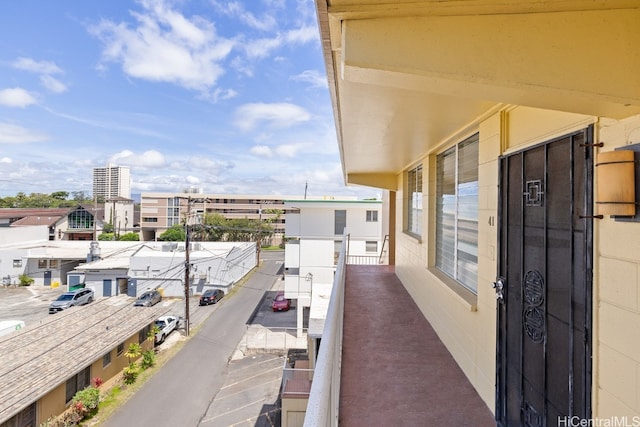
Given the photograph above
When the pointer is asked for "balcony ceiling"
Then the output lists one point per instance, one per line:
(406, 75)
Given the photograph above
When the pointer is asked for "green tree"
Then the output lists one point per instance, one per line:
(130, 237)
(173, 234)
(106, 236)
(60, 195)
(212, 229)
(107, 227)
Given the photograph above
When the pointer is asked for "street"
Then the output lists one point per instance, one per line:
(181, 393)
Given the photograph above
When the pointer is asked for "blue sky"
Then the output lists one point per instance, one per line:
(227, 96)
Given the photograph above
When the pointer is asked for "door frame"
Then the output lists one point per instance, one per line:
(588, 216)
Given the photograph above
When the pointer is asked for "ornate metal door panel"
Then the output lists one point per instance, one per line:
(544, 285)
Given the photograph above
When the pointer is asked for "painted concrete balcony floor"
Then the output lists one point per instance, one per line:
(395, 369)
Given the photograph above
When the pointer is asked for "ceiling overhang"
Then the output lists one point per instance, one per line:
(407, 75)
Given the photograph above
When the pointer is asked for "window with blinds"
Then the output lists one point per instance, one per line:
(457, 213)
(414, 201)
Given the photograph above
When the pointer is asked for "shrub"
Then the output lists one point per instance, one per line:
(97, 382)
(148, 359)
(86, 401)
(130, 374)
(25, 280)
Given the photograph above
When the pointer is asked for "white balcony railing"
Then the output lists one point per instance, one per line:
(324, 398)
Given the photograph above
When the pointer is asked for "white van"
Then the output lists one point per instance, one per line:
(8, 326)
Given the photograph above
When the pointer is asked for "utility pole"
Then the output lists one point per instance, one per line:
(259, 243)
(186, 267)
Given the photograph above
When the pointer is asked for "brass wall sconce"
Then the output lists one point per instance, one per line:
(616, 189)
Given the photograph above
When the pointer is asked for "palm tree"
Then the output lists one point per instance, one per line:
(133, 352)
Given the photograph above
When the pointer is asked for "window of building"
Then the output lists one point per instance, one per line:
(17, 263)
(106, 359)
(414, 201)
(42, 263)
(120, 349)
(53, 263)
(372, 216)
(143, 334)
(371, 246)
(340, 221)
(457, 213)
(80, 219)
(149, 219)
(78, 382)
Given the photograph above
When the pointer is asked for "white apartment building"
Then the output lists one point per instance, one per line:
(111, 182)
(315, 229)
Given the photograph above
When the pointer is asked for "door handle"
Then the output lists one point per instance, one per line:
(500, 287)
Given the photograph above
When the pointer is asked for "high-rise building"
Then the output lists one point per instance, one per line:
(112, 181)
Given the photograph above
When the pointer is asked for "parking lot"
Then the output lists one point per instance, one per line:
(31, 305)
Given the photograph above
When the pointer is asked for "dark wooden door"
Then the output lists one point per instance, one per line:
(543, 367)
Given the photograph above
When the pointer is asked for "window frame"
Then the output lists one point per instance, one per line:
(456, 244)
(372, 216)
(337, 221)
(414, 213)
(77, 382)
(106, 359)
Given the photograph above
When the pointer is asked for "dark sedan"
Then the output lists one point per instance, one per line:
(211, 296)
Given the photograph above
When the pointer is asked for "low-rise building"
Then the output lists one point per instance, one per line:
(44, 365)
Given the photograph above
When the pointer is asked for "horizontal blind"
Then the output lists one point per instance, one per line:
(457, 212)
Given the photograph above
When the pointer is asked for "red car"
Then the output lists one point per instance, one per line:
(280, 303)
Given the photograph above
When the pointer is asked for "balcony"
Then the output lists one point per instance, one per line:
(381, 363)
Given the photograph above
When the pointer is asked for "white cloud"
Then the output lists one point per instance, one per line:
(165, 46)
(209, 165)
(192, 180)
(261, 151)
(52, 84)
(289, 150)
(302, 35)
(6, 160)
(12, 134)
(236, 9)
(313, 77)
(277, 115)
(16, 97)
(148, 159)
(220, 94)
(39, 67)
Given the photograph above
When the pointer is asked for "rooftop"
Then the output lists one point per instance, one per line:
(37, 358)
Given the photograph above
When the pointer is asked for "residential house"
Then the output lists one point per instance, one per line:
(492, 125)
(45, 364)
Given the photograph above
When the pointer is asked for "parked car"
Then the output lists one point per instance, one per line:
(280, 303)
(70, 299)
(166, 325)
(148, 298)
(211, 296)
